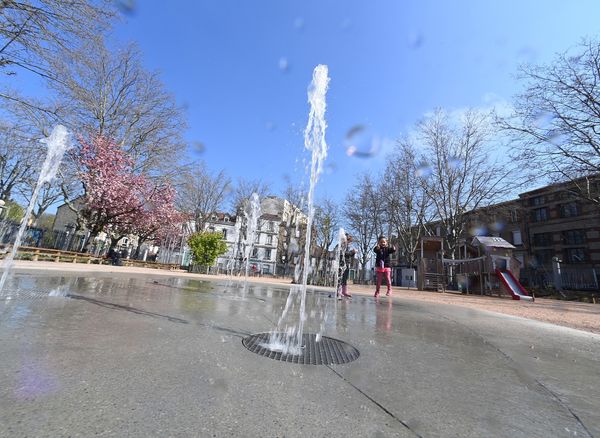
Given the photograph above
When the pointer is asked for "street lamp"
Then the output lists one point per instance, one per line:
(69, 229)
(284, 261)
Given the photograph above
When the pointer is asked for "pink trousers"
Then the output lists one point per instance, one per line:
(388, 277)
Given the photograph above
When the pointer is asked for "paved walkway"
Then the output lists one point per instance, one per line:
(141, 353)
(582, 316)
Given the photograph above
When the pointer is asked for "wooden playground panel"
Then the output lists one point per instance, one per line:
(473, 272)
(54, 255)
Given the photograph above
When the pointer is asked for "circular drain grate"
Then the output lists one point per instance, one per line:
(327, 351)
(23, 294)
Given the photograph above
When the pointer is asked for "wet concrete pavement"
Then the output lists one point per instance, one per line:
(154, 356)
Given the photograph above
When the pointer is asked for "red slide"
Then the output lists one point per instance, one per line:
(515, 288)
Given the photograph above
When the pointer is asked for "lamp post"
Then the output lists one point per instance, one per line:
(284, 261)
(556, 273)
(69, 230)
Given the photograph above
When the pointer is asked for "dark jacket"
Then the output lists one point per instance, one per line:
(347, 256)
(383, 255)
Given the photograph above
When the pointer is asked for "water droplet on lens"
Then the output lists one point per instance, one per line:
(415, 40)
(424, 170)
(455, 162)
(346, 23)
(556, 137)
(361, 143)
(299, 23)
(126, 6)
(543, 119)
(198, 147)
(478, 231)
(527, 53)
(497, 226)
(284, 65)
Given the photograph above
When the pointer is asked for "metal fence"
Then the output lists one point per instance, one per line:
(572, 277)
(51, 239)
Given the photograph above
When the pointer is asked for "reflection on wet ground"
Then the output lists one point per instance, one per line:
(117, 344)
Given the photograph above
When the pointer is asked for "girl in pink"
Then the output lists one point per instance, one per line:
(382, 264)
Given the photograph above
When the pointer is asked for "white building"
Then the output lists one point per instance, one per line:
(68, 237)
(275, 245)
(226, 224)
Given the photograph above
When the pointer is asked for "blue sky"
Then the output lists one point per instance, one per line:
(241, 68)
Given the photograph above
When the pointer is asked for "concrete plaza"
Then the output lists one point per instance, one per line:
(141, 354)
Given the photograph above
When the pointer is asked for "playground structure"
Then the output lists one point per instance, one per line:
(485, 265)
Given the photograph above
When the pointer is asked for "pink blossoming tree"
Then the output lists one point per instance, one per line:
(117, 200)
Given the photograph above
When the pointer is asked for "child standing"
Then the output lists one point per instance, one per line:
(382, 264)
(346, 255)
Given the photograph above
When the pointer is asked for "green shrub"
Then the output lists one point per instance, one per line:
(207, 247)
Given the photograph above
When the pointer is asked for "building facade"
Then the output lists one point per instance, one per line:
(276, 242)
(559, 227)
(556, 235)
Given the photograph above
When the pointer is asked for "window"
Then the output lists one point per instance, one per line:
(269, 239)
(254, 252)
(514, 217)
(267, 254)
(270, 227)
(226, 219)
(521, 259)
(544, 256)
(257, 238)
(569, 209)
(539, 215)
(542, 239)
(538, 200)
(516, 237)
(574, 237)
(575, 255)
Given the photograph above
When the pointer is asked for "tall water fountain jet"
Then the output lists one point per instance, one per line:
(339, 264)
(288, 339)
(252, 213)
(57, 143)
(314, 141)
(236, 244)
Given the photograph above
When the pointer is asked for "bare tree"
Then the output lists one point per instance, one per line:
(405, 200)
(32, 31)
(18, 155)
(363, 214)
(108, 93)
(201, 193)
(294, 192)
(48, 195)
(27, 153)
(462, 176)
(243, 190)
(327, 222)
(556, 120)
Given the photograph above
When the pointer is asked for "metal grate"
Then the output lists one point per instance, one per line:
(327, 351)
(23, 294)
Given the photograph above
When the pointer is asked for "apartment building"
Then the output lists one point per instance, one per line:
(548, 225)
(276, 242)
(559, 225)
